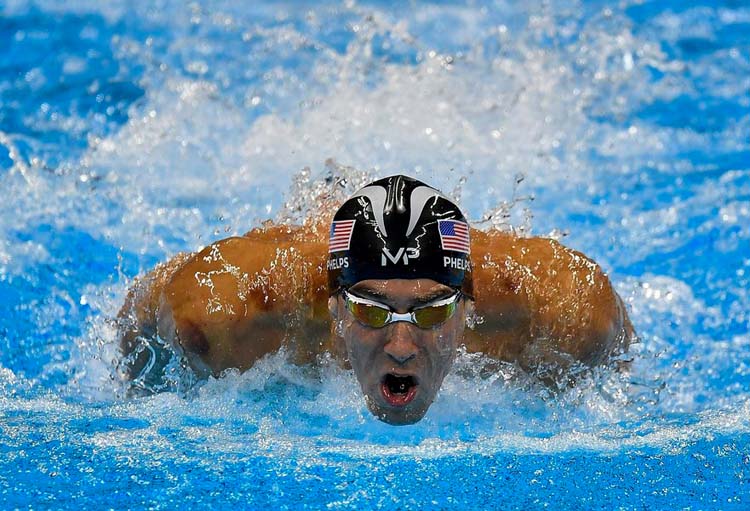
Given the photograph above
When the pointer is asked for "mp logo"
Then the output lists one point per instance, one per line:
(402, 254)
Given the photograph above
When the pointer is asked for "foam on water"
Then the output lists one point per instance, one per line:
(585, 121)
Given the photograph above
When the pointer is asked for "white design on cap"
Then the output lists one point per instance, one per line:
(377, 196)
(419, 197)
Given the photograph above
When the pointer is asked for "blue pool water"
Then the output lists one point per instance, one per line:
(130, 131)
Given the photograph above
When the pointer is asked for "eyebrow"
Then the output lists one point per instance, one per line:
(366, 292)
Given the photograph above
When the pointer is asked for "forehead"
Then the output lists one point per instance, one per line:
(402, 290)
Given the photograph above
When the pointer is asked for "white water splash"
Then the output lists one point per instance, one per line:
(548, 96)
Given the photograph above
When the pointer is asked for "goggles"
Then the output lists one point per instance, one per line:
(377, 315)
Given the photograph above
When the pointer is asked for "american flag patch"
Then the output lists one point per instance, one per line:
(454, 235)
(341, 235)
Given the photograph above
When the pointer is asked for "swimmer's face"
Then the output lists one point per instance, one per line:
(400, 366)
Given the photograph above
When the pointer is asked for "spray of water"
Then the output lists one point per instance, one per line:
(539, 118)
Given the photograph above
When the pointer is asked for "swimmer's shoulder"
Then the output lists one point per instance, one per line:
(520, 262)
(239, 298)
(553, 299)
(265, 269)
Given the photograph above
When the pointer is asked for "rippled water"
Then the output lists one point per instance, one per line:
(130, 131)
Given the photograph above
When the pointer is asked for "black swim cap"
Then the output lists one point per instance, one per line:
(399, 228)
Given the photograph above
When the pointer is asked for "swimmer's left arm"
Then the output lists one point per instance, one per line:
(579, 314)
(544, 304)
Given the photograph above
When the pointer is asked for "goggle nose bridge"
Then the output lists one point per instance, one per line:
(401, 316)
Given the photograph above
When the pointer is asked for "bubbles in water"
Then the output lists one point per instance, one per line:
(540, 118)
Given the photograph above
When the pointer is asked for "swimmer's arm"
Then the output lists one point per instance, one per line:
(577, 313)
(169, 309)
(233, 302)
(137, 319)
(544, 305)
(242, 298)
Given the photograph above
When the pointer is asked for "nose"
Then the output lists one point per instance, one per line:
(400, 346)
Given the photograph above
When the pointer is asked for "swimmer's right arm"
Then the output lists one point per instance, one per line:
(236, 300)
(137, 319)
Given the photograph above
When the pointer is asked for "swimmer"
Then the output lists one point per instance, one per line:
(386, 287)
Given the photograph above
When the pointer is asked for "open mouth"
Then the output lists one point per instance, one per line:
(398, 390)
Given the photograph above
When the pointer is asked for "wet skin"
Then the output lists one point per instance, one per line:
(422, 357)
(547, 308)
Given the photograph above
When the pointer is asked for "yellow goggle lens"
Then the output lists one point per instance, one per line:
(429, 317)
(370, 315)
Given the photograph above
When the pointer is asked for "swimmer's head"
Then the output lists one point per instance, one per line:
(400, 280)
(399, 227)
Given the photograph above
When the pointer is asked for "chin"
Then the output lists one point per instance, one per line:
(401, 416)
